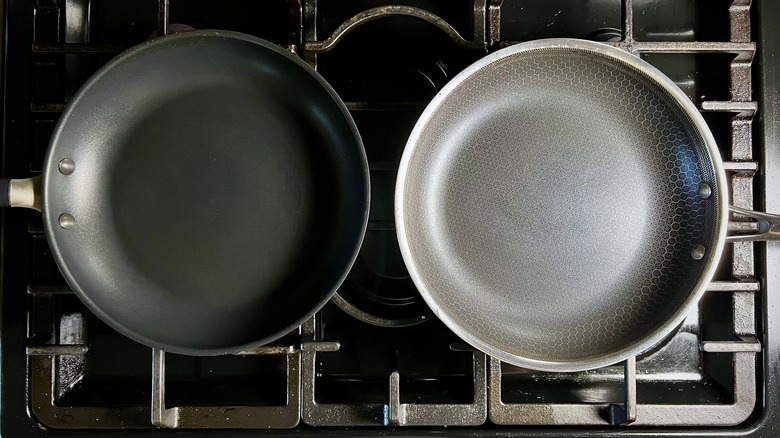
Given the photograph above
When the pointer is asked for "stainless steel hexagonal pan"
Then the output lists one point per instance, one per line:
(203, 193)
(561, 205)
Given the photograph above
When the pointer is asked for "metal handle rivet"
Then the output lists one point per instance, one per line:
(698, 252)
(705, 191)
(67, 221)
(67, 166)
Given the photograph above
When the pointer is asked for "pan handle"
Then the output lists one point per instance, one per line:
(21, 193)
(768, 226)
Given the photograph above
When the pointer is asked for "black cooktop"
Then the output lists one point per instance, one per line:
(375, 360)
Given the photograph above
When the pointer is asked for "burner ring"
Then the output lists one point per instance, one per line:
(378, 289)
(373, 319)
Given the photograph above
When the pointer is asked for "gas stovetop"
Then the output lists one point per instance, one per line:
(375, 359)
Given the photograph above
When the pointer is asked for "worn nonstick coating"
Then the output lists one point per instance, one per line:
(550, 205)
(220, 192)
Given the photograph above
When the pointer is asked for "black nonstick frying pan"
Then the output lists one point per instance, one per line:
(562, 205)
(203, 193)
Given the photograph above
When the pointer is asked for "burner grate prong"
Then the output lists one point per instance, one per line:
(626, 413)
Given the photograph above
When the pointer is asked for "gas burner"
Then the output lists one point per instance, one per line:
(378, 290)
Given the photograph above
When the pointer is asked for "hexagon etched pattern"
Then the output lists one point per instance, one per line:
(551, 205)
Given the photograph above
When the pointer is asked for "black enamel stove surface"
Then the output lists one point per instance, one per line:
(375, 360)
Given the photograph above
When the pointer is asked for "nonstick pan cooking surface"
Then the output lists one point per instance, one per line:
(205, 192)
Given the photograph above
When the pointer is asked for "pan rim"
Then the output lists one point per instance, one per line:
(659, 79)
(50, 222)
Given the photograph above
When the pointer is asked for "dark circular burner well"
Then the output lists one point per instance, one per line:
(378, 290)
